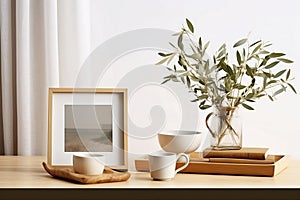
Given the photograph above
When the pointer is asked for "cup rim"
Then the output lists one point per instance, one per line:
(162, 154)
(179, 132)
(88, 155)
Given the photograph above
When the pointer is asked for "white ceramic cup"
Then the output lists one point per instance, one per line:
(88, 163)
(163, 165)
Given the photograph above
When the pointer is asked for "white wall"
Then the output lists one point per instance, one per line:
(272, 124)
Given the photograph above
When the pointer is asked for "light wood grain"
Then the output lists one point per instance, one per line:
(125, 124)
(28, 172)
(87, 90)
(49, 147)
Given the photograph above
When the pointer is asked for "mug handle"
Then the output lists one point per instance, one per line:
(186, 163)
(206, 123)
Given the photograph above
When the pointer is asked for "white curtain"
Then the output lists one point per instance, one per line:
(38, 38)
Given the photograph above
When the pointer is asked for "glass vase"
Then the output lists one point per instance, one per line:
(225, 126)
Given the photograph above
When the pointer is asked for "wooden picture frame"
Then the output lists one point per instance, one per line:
(72, 112)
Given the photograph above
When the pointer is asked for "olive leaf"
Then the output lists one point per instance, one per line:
(165, 81)
(292, 88)
(270, 98)
(275, 55)
(253, 44)
(205, 47)
(240, 42)
(256, 48)
(260, 95)
(190, 25)
(195, 100)
(288, 75)
(179, 42)
(188, 81)
(204, 107)
(279, 91)
(271, 82)
(204, 96)
(247, 106)
(279, 73)
(162, 61)
(269, 66)
(164, 55)
(285, 60)
(200, 43)
(249, 71)
(238, 57)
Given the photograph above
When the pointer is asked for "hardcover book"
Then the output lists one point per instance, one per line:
(244, 153)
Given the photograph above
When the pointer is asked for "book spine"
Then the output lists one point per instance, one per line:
(214, 154)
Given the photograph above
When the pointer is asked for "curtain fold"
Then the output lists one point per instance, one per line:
(29, 66)
(8, 130)
(43, 44)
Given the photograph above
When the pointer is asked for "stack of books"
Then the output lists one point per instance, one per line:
(244, 155)
(246, 161)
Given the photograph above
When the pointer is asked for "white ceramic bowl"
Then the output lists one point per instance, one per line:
(178, 141)
(88, 163)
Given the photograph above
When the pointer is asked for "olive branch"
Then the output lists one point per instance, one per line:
(255, 73)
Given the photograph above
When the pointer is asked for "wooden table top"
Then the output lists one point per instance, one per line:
(27, 172)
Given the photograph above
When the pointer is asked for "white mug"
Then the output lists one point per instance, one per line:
(163, 165)
(88, 163)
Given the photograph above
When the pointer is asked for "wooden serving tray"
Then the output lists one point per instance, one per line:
(205, 167)
(68, 174)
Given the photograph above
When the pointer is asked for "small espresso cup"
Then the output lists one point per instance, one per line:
(88, 163)
(163, 165)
